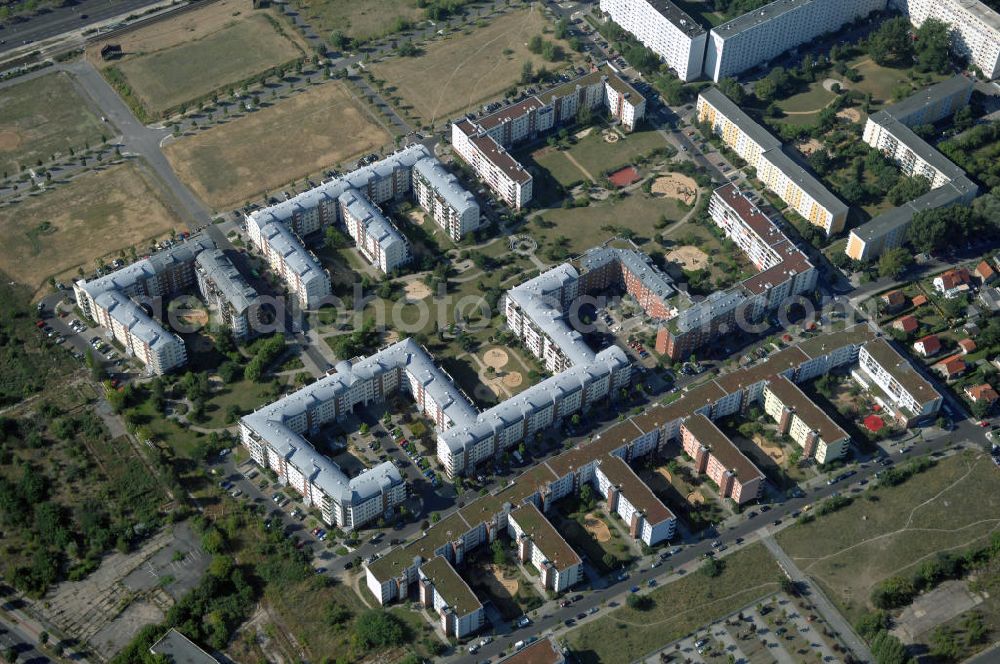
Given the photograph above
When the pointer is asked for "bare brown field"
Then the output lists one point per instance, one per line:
(466, 69)
(315, 129)
(184, 58)
(94, 216)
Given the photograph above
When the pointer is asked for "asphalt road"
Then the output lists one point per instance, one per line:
(54, 22)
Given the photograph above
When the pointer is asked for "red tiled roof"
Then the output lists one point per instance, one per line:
(894, 298)
(951, 366)
(919, 300)
(967, 345)
(984, 271)
(931, 344)
(905, 323)
(984, 392)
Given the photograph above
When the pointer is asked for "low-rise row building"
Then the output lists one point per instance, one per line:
(804, 422)
(122, 302)
(780, 173)
(483, 142)
(889, 132)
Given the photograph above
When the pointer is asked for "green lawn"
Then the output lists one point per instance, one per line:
(245, 395)
(598, 156)
(42, 117)
(816, 98)
(948, 507)
(584, 543)
(680, 607)
(561, 169)
(583, 226)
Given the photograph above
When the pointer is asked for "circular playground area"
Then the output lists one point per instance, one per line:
(596, 527)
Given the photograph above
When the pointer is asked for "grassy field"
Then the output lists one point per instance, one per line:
(679, 608)
(808, 103)
(190, 56)
(42, 117)
(93, 216)
(224, 166)
(468, 68)
(582, 227)
(948, 507)
(358, 20)
(591, 156)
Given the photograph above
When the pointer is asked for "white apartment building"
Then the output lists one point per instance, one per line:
(226, 291)
(306, 279)
(376, 238)
(758, 36)
(538, 542)
(975, 28)
(275, 434)
(780, 173)
(451, 206)
(895, 384)
(664, 28)
(108, 300)
(804, 422)
(482, 143)
(390, 179)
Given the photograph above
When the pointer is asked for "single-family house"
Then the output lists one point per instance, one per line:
(982, 393)
(985, 273)
(967, 346)
(928, 346)
(893, 300)
(918, 301)
(953, 283)
(950, 367)
(905, 324)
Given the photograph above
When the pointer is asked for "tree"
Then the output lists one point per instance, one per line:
(732, 89)
(932, 229)
(908, 189)
(933, 50)
(587, 496)
(609, 560)
(561, 29)
(639, 602)
(894, 262)
(527, 72)
(499, 553)
(338, 40)
(888, 649)
(820, 161)
(336, 615)
(765, 89)
(378, 629)
(711, 567)
(891, 43)
(535, 44)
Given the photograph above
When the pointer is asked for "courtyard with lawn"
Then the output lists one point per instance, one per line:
(596, 151)
(42, 118)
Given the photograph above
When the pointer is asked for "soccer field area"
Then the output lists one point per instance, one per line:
(185, 58)
(94, 216)
(43, 117)
(240, 160)
(468, 68)
(949, 507)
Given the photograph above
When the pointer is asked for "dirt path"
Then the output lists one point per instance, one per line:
(579, 166)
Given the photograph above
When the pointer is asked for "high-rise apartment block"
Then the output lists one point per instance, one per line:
(975, 28)
(758, 36)
(665, 29)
